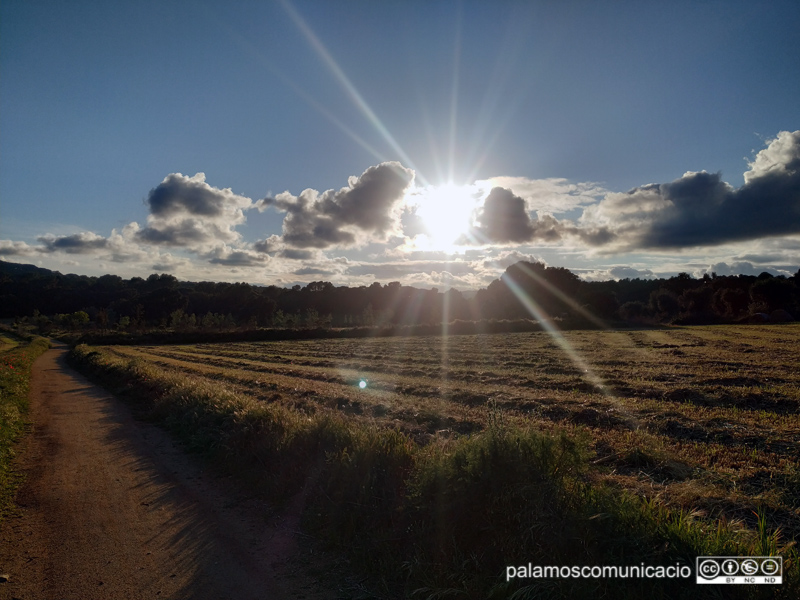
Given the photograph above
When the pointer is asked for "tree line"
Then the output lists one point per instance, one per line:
(526, 290)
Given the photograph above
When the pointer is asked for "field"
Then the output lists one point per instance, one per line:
(702, 421)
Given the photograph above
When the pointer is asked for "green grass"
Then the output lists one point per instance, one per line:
(15, 371)
(7, 342)
(434, 490)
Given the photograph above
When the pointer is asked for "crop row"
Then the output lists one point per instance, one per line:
(704, 417)
(702, 421)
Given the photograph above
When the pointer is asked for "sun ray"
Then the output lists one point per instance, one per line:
(249, 47)
(345, 82)
(454, 96)
(555, 333)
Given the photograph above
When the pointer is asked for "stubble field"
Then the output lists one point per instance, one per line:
(702, 420)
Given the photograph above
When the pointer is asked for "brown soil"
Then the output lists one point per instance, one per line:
(112, 509)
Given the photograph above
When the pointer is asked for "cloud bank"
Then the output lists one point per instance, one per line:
(700, 209)
(366, 210)
(748, 229)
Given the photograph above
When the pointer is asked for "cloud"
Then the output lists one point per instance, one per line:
(744, 268)
(237, 258)
(616, 273)
(12, 248)
(81, 243)
(294, 254)
(368, 210)
(313, 271)
(504, 220)
(395, 270)
(187, 212)
(700, 209)
(761, 258)
(552, 195)
(506, 259)
(169, 263)
(119, 247)
(272, 244)
(630, 273)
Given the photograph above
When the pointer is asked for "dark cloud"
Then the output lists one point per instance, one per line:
(119, 247)
(179, 195)
(240, 258)
(186, 211)
(168, 268)
(294, 254)
(700, 209)
(184, 233)
(262, 246)
(552, 195)
(313, 271)
(80, 243)
(366, 210)
(504, 220)
(761, 258)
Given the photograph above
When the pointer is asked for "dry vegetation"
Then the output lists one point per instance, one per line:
(17, 354)
(700, 421)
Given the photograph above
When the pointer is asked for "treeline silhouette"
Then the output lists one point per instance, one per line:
(525, 292)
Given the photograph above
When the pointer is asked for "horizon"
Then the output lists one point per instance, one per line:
(467, 292)
(434, 145)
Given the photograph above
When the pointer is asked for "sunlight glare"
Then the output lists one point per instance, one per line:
(446, 212)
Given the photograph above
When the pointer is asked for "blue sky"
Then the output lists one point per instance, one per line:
(438, 141)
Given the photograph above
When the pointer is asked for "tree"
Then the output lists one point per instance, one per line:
(772, 293)
(665, 304)
(633, 311)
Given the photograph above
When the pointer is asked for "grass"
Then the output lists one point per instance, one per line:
(7, 342)
(467, 454)
(15, 372)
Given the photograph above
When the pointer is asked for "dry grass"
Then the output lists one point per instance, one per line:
(703, 416)
(702, 420)
(15, 371)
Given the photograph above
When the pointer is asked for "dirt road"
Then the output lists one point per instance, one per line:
(112, 509)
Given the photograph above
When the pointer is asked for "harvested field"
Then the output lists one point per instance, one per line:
(470, 453)
(704, 418)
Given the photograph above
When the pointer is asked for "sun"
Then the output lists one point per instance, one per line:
(446, 212)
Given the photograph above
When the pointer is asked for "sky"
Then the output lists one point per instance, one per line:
(431, 143)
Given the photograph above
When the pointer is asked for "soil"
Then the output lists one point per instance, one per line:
(112, 508)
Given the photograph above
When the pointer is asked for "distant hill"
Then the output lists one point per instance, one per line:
(16, 269)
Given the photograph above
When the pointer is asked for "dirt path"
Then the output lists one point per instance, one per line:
(111, 509)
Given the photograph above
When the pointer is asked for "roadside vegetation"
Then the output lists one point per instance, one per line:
(16, 357)
(434, 463)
